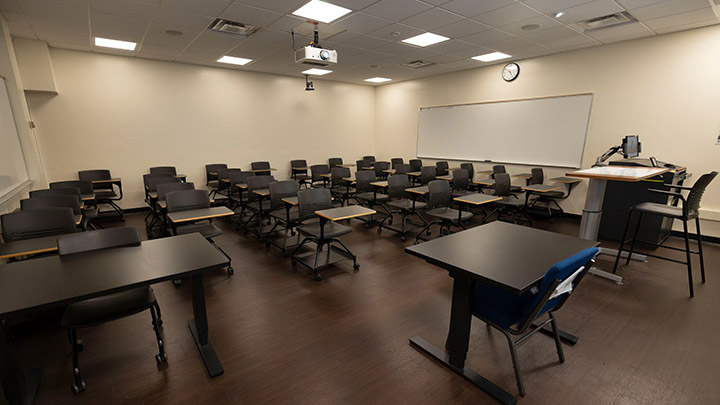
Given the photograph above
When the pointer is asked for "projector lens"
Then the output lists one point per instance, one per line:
(324, 55)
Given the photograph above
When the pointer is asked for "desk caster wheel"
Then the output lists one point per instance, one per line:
(177, 282)
(161, 358)
(356, 266)
(230, 270)
(76, 389)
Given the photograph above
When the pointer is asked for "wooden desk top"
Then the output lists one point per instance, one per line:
(163, 204)
(180, 176)
(541, 188)
(113, 180)
(568, 180)
(263, 170)
(484, 171)
(299, 168)
(618, 173)
(390, 171)
(241, 186)
(477, 199)
(422, 190)
(346, 212)
(346, 165)
(487, 253)
(381, 184)
(522, 175)
(367, 168)
(485, 182)
(88, 197)
(202, 213)
(326, 175)
(263, 192)
(290, 200)
(29, 246)
(447, 177)
(414, 174)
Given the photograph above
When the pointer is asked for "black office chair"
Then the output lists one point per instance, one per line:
(366, 194)
(236, 193)
(165, 188)
(399, 203)
(253, 203)
(369, 158)
(441, 168)
(513, 314)
(212, 179)
(159, 229)
(402, 168)
(427, 174)
(510, 203)
(470, 169)
(223, 188)
(689, 210)
(47, 192)
(54, 201)
(415, 165)
(548, 198)
(163, 169)
(89, 212)
(439, 202)
(334, 162)
(255, 166)
(39, 223)
(299, 172)
(380, 168)
(152, 181)
(311, 230)
(104, 191)
(498, 169)
(95, 311)
(317, 172)
(190, 200)
(84, 186)
(396, 161)
(283, 217)
(460, 183)
(364, 164)
(339, 188)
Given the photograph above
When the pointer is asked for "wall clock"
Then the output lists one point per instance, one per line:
(510, 72)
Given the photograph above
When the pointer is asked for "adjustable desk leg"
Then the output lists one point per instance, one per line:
(199, 328)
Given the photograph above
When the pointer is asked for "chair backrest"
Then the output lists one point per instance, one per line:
(185, 200)
(360, 164)
(165, 188)
(280, 190)
(85, 186)
(369, 158)
(427, 174)
(380, 168)
(98, 240)
(397, 183)
(163, 169)
(213, 168)
(38, 223)
(312, 200)
(538, 177)
(148, 176)
(97, 174)
(239, 177)
(56, 191)
(470, 169)
(439, 194)
(363, 178)
(316, 171)
(415, 165)
(295, 164)
(335, 162)
(222, 173)
(396, 161)
(696, 193)
(258, 183)
(502, 184)
(461, 179)
(441, 168)
(260, 166)
(402, 168)
(497, 169)
(52, 201)
(153, 182)
(337, 174)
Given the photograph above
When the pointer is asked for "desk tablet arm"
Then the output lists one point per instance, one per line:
(677, 196)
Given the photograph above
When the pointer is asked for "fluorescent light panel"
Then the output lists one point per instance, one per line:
(114, 43)
(317, 72)
(378, 79)
(321, 11)
(490, 57)
(234, 61)
(425, 39)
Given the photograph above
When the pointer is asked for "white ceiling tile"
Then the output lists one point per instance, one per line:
(210, 8)
(362, 23)
(396, 9)
(682, 27)
(470, 8)
(149, 51)
(280, 6)
(550, 34)
(343, 37)
(668, 8)
(544, 23)
(368, 42)
(465, 63)
(574, 41)
(461, 28)
(436, 2)
(129, 9)
(116, 27)
(690, 17)
(472, 51)
(10, 6)
(432, 19)
(43, 4)
(452, 45)
(630, 4)
(256, 50)
(157, 36)
(552, 6)
(286, 23)
(213, 43)
(178, 20)
(627, 37)
(278, 57)
(394, 48)
(619, 31)
(508, 43)
(354, 5)
(70, 45)
(486, 36)
(597, 8)
(271, 38)
(396, 31)
(19, 25)
(57, 36)
(250, 15)
(506, 15)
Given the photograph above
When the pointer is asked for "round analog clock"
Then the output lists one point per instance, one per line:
(510, 72)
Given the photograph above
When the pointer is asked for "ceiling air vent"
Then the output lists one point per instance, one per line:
(606, 21)
(417, 64)
(232, 27)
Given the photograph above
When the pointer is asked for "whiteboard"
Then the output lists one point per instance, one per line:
(12, 163)
(548, 131)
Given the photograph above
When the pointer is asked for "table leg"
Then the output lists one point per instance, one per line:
(199, 328)
(19, 386)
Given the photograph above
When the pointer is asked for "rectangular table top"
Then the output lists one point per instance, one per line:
(485, 182)
(381, 183)
(541, 188)
(198, 214)
(478, 199)
(241, 186)
(422, 190)
(489, 253)
(346, 212)
(55, 280)
(414, 174)
(447, 177)
(290, 200)
(618, 173)
(568, 180)
(264, 192)
(29, 246)
(484, 171)
(522, 175)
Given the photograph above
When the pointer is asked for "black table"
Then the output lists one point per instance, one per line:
(487, 254)
(54, 281)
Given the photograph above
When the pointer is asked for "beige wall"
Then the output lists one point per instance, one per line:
(127, 114)
(664, 88)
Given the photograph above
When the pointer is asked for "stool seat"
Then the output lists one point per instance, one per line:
(661, 209)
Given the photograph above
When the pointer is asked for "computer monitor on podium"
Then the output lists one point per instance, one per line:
(631, 146)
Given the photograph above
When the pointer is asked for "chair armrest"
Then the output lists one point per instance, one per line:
(672, 193)
(675, 186)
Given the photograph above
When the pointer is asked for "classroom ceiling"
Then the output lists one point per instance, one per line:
(368, 39)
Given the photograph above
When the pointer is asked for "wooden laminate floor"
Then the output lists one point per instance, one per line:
(284, 338)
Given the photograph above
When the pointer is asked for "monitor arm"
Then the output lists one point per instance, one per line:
(605, 156)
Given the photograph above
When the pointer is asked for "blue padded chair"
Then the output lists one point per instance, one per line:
(514, 314)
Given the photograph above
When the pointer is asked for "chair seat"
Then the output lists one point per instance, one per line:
(332, 230)
(302, 177)
(449, 214)
(90, 212)
(660, 209)
(406, 204)
(343, 190)
(94, 311)
(206, 229)
(510, 201)
(282, 215)
(212, 184)
(369, 197)
(256, 207)
(104, 194)
(551, 194)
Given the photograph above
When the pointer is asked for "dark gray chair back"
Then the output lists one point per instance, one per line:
(461, 180)
(360, 164)
(441, 168)
(223, 173)
(52, 201)
(165, 188)
(312, 200)
(280, 190)
(439, 194)
(185, 200)
(369, 158)
(163, 169)
(696, 193)
(98, 240)
(260, 166)
(38, 223)
(239, 177)
(538, 177)
(502, 184)
(258, 183)
(497, 169)
(363, 178)
(334, 162)
(415, 165)
(148, 177)
(213, 167)
(296, 164)
(380, 168)
(470, 169)
(337, 174)
(153, 182)
(56, 191)
(402, 168)
(396, 161)
(427, 174)
(85, 186)
(397, 183)
(97, 174)
(316, 171)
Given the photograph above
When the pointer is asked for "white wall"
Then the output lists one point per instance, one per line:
(128, 114)
(664, 88)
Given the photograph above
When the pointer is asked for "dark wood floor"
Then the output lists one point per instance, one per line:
(284, 338)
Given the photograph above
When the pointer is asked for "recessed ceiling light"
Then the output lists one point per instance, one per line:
(490, 57)
(425, 39)
(378, 79)
(321, 11)
(234, 61)
(114, 43)
(316, 72)
(559, 14)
